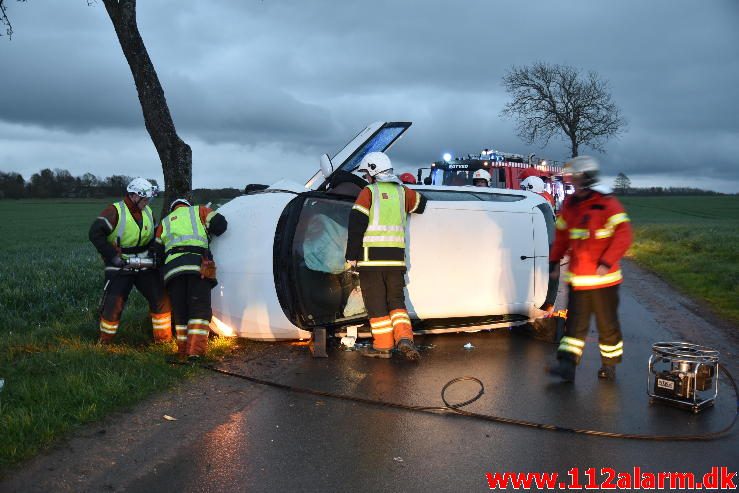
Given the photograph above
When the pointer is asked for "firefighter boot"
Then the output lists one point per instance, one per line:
(565, 370)
(105, 340)
(107, 331)
(409, 350)
(161, 324)
(607, 372)
(371, 352)
(181, 335)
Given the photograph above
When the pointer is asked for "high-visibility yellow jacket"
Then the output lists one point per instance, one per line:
(184, 236)
(377, 225)
(127, 234)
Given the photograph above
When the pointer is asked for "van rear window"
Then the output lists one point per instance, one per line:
(471, 196)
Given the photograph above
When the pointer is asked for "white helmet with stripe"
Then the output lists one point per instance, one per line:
(374, 163)
(481, 174)
(142, 188)
(533, 184)
(176, 202)
(585, 167)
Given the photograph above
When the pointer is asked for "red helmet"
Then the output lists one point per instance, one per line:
(408, 178)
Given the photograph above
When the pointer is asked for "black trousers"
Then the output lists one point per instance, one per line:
(382, 291)
(582, 304)
(190, 297)
(118, 285)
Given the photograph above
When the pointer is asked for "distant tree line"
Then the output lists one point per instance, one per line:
(622, 186)
(59, 183)
(666, 191)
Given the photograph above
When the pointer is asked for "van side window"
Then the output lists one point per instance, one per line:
(458, 196)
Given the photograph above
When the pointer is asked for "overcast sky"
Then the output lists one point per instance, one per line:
(260, 88)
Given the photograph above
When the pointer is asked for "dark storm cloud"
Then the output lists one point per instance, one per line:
(305, 76)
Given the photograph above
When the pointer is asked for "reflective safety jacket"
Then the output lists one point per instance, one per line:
(128, 235)
(122, 229)
(184, 236)
(377, 225)
(595, 230)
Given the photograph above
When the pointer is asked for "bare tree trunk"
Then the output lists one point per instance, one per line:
(175, 155)
(573, 146)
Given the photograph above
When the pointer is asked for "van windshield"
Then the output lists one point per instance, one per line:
(379, 142)
(326, 290)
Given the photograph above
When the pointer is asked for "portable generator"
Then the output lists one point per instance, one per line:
(683, 374)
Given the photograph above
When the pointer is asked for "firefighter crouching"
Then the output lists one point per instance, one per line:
(376, 246)
(189, 271)
(596, 231)
(123, 233)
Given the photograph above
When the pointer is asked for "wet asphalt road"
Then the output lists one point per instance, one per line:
(286, 441)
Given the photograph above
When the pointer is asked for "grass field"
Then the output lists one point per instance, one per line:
(692, 242)
(56, 377)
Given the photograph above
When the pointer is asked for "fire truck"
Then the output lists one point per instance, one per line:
(506, 171)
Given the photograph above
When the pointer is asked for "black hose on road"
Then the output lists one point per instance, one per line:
(454, 409)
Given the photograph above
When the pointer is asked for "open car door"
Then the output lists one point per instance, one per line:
(378, 136)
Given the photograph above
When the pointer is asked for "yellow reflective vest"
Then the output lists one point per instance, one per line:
(127, 233)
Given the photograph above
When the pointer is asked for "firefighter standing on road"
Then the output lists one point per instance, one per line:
(122, 231)
(596, 231)
(376, 246)
(189, 271)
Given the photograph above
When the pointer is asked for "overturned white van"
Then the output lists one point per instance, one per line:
(478, 258)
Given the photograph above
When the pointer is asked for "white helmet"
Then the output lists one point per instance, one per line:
(533, 184)
(179, 201)
(481, 174)
(374, 163)
(586, 167)
(142, 188)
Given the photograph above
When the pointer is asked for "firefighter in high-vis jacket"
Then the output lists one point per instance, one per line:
(189, 271)
(594, 228)
(122, 232)
(376, 246)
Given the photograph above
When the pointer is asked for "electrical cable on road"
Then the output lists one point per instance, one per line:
(454, 409)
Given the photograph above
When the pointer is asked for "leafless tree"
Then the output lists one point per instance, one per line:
(622, 184)
(550, 99)
(174, 154)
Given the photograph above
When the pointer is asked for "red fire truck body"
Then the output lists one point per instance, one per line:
(506, 171)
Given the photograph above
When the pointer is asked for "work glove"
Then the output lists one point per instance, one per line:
(548, 308)
(117, 261)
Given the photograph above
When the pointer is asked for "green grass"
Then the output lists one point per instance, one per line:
(693, 242)
(56, 377)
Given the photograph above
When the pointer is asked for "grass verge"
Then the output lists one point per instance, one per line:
(692, 242)
(56, 377)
